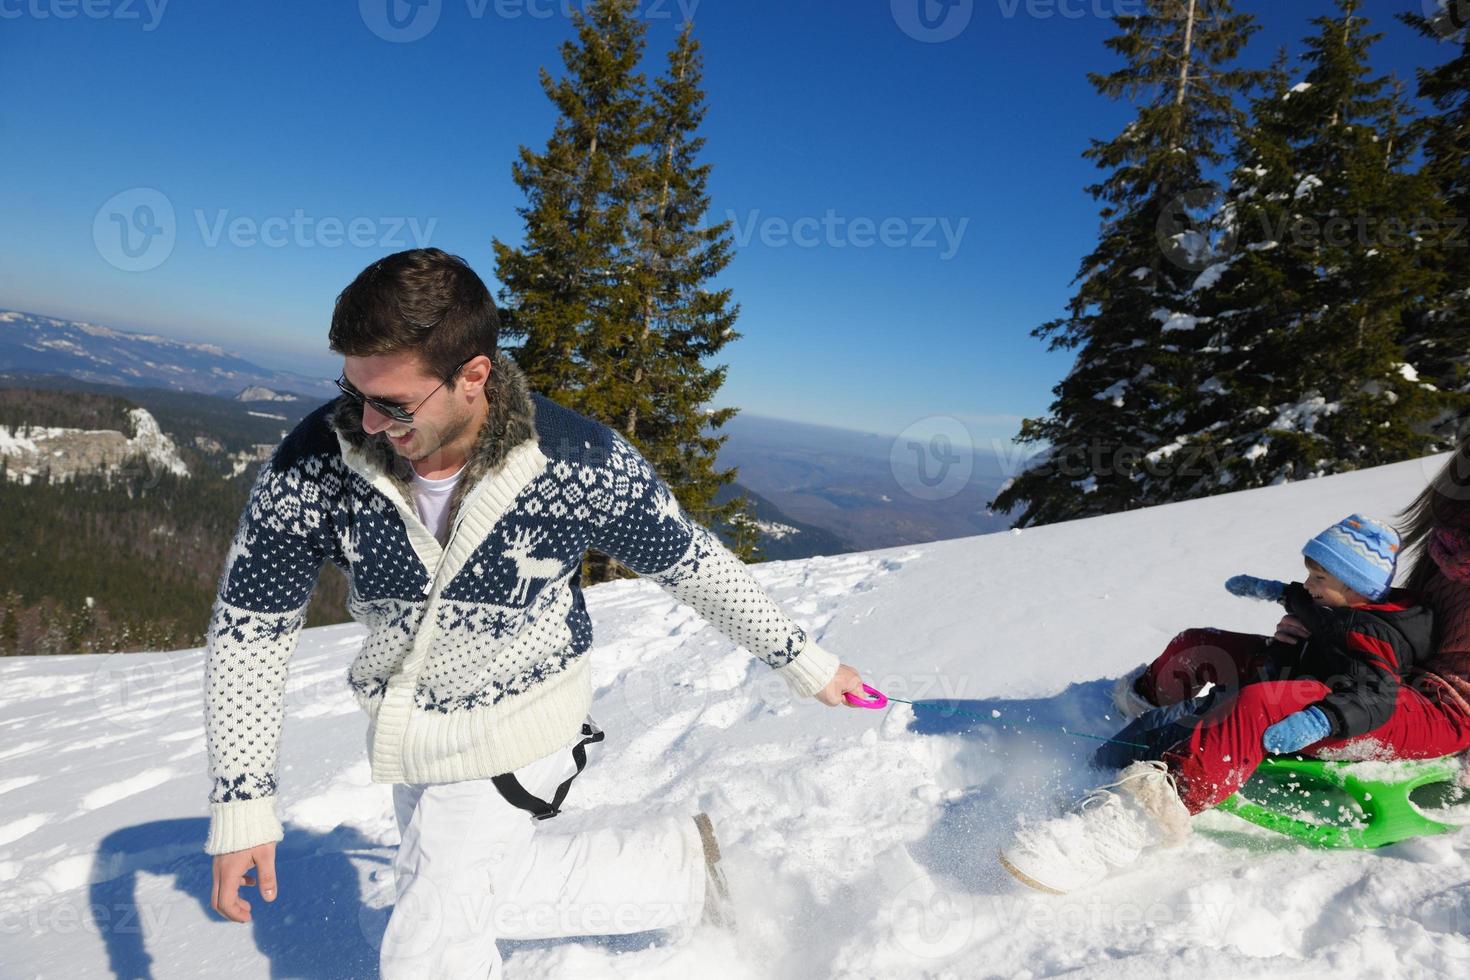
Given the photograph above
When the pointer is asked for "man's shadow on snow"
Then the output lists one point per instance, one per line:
(320, 925)
(1017, 758)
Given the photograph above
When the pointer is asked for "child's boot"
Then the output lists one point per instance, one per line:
(1126, 698)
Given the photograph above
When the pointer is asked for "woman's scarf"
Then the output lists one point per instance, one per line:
(1450, 549)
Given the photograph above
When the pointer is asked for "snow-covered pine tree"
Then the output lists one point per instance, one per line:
(565, 293)
(683, 320)
(1317, 269)
(1132, 388)
(1437, 336)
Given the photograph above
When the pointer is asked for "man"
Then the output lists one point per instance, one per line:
(460, 505)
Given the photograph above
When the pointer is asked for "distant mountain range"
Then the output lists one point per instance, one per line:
(815, 490)
(847, 483)
(45, 345)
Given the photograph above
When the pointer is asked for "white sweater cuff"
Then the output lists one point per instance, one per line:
(811, 671)
(242, 824)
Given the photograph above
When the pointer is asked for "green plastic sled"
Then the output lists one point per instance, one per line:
(1348, 804)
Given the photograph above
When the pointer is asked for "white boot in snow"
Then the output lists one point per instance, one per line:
(1126, 699)
(1106, 830)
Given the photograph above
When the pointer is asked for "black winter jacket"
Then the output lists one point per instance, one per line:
(1360, 652)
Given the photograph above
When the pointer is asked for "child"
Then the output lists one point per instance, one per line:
(1269, 695)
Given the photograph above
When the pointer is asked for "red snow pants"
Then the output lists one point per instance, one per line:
(1224, 747)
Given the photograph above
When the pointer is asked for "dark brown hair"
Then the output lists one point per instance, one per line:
(1445, 502)
(423, 300)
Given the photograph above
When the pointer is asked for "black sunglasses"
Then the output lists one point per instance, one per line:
(397, 412)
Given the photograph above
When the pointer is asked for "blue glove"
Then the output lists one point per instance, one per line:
(1297, 731)
(1256, 588)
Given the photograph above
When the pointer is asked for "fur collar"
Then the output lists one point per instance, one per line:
(510, 422)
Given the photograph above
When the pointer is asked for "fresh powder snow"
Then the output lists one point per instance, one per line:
(858, 843)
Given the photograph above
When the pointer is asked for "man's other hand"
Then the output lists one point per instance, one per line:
(252, 866)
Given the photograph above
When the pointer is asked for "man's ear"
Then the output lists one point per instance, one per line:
(476, 374)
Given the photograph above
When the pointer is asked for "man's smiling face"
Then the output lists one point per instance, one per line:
(442, 411)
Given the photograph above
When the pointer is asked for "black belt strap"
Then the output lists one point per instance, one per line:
(518, 796)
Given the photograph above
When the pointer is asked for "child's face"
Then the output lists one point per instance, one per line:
(1328, 589)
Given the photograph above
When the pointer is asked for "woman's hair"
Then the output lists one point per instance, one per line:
(423, 300)
(1444, 502)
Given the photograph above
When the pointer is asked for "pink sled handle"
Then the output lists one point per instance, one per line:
(879, 698)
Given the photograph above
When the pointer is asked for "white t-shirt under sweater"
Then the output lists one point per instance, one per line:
(431, 500)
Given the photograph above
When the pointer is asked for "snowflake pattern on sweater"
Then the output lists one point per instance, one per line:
(474, 660)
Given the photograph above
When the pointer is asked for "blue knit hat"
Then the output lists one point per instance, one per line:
(1360, 552)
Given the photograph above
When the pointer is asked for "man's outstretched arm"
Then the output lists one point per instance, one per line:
(644, 527)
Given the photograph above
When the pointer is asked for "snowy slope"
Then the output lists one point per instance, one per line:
(859, 843)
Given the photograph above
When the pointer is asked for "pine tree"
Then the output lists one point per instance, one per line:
(1437, 336)
(10, 628)
(745, 533)
(683, 321)
(1311, 377)
(1110, 431)
(565, 293)
(609, 293)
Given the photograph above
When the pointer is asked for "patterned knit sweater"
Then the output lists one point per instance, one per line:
(476, 656)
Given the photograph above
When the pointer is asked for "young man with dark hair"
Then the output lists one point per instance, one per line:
(460, 505)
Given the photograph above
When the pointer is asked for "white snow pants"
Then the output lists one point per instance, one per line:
(471, 868)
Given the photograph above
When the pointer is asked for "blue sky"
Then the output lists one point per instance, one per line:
(908, 200)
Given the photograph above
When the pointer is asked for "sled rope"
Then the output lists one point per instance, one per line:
(992, 719)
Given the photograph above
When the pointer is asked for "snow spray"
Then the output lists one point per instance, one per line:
(880, 700)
